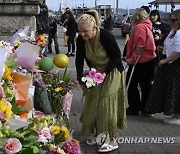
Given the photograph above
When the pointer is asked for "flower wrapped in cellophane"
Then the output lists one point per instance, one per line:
(27, 55)
(40, 41)
(59, 91)
(5, 50)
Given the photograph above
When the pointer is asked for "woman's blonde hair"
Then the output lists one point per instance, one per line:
(90, 17)
(139, 14)
(109, 14)
(176, 14)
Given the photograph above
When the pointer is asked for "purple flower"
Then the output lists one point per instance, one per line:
(86, 72)
(68, 87)
(92, 73)
(54, 151)
(72, 147)
(98, 78)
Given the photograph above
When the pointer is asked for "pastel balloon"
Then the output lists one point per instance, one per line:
(46, 64)
(61, 60)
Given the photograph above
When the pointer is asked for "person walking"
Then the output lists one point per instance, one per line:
(104, 108)
(64, 23)
(71, 33)
(140, 51)
(53, 35)
(109, 21)
(165, 93)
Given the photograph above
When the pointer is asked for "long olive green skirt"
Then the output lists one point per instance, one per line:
(104, 108)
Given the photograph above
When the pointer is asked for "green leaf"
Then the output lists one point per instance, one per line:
(26, 151)
(64, 74)
(35, 149)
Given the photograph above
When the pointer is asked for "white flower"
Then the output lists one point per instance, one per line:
(89, 79)
(88, 84)
(46, 128)
(93, 69)
(83, 79)
(1, 43)
(42, 139)
(61, 81)
(93, 84)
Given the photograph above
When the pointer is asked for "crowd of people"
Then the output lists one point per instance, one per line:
(153, 78)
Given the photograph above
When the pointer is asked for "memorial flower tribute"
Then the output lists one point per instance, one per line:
(23, 129)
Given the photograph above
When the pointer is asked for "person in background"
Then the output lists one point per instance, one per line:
(146, 8)
(109, 21)
(64, 23)
(159, 32)
(53, 35)
(165, 93)
(104, 108)
(42, 23)
(141, 44)
(71, 33)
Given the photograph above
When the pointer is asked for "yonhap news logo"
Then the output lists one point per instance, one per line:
(145, 140)
(104, 138)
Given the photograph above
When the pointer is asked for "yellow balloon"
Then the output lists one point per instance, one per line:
(61, 60)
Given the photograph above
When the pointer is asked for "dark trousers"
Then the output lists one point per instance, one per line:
(142, 77)
(50, 39)
(71, 42)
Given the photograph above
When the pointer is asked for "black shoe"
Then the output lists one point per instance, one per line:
(72, 54)
(128, 112)
(57, 52)
(68, 54)
(49, 52)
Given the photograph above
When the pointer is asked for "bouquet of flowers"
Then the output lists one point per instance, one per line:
(39, 40)
(42, 134)
(57, 87)
(7, 90)
(92, 77)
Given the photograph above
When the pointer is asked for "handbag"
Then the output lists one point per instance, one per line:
(64, 29)
(63, 26)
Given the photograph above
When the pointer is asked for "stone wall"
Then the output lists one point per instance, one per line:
(15, 14)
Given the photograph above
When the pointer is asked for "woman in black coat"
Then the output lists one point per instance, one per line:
(71, 33)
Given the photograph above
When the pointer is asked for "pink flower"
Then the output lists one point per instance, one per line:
(42, 139)
(46, 134)
(98, 78)
(92, 73)
(12, 146)
(54, 151)
(72, 147)
(38, 114)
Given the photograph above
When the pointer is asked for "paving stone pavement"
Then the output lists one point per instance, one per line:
(139, 127)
